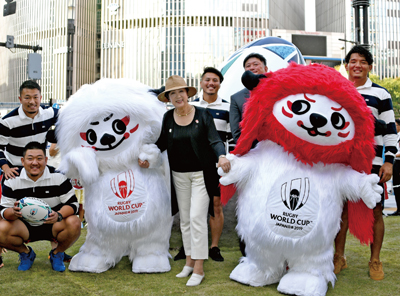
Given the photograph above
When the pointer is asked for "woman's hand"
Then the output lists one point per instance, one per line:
(225, 164)
(143, 164)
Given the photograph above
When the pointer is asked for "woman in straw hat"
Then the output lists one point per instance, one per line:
(194, 147)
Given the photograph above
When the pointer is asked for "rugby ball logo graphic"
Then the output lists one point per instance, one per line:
(123, 184)
(297, 194)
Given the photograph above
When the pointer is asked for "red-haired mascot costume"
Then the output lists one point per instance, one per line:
(102, 131)
(316, 144)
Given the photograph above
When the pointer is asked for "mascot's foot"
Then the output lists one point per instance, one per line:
(248, 273)
(151, 264)
(88, 263)
(302, 283)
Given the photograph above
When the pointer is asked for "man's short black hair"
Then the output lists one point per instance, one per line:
(362, 51)
(30, 84)
(257, 56)
(34, 145)
(213, 70)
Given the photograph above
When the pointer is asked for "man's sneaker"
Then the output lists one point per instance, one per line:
(215, 254)
(339, 263)
(376, 270)
(57, 261)
(26, 260)
(67, 258)
(180, 255)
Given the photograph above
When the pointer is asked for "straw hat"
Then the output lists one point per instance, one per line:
(176, 82)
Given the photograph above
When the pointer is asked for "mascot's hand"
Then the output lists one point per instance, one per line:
(370, 191)
(152, 154)
(80, 163)
(234, 174)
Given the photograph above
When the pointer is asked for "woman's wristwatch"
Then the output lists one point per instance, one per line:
(222, 156)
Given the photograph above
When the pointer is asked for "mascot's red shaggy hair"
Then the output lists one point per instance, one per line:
(260, 124)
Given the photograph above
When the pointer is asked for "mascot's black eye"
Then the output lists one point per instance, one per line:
(119, 127)
(300, 107)
(338, 120)
(91, 137)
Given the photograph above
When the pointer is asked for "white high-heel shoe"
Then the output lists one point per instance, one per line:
(186, 271)
(195, 280)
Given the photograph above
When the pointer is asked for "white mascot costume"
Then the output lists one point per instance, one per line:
(316, 141)
(102, 131)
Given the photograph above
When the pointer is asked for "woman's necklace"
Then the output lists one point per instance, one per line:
(186, 113)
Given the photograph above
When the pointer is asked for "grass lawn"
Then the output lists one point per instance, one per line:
(42, 280)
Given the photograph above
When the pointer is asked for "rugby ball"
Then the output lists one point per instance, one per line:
(34, 210)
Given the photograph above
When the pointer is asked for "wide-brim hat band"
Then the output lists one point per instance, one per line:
(176, 82)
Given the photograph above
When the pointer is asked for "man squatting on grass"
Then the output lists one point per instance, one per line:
(358, 64)
(38, 180)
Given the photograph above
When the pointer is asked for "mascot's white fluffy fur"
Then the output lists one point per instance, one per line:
(101, 132)
(292, 185)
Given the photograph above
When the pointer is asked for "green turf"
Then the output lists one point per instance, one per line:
(41, 280)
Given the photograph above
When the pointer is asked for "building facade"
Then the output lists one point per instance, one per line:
(383, 26)
(316, 47)
(147, 41)
(384, 36)
(154, 39)
(66, 31)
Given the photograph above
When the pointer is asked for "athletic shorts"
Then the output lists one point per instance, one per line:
(375, 170)
(39, 233)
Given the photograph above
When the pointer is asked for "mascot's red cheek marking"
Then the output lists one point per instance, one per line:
(126, 135)
(346, 125)
(93, 147)
(299, 123)
(286, 113)
(328, 134)
(134, 129)
(83, 136)
(342, 135)
(125, 120)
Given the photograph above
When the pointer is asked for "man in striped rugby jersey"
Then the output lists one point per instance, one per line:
(358, 64)
(38, 180)
(29, 122)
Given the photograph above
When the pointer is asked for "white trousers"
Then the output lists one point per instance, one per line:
(193, 202)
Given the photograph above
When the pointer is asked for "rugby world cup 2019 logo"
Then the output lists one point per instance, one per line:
(295, 195)
(76, 184)
(123, 184)
(33, 212)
